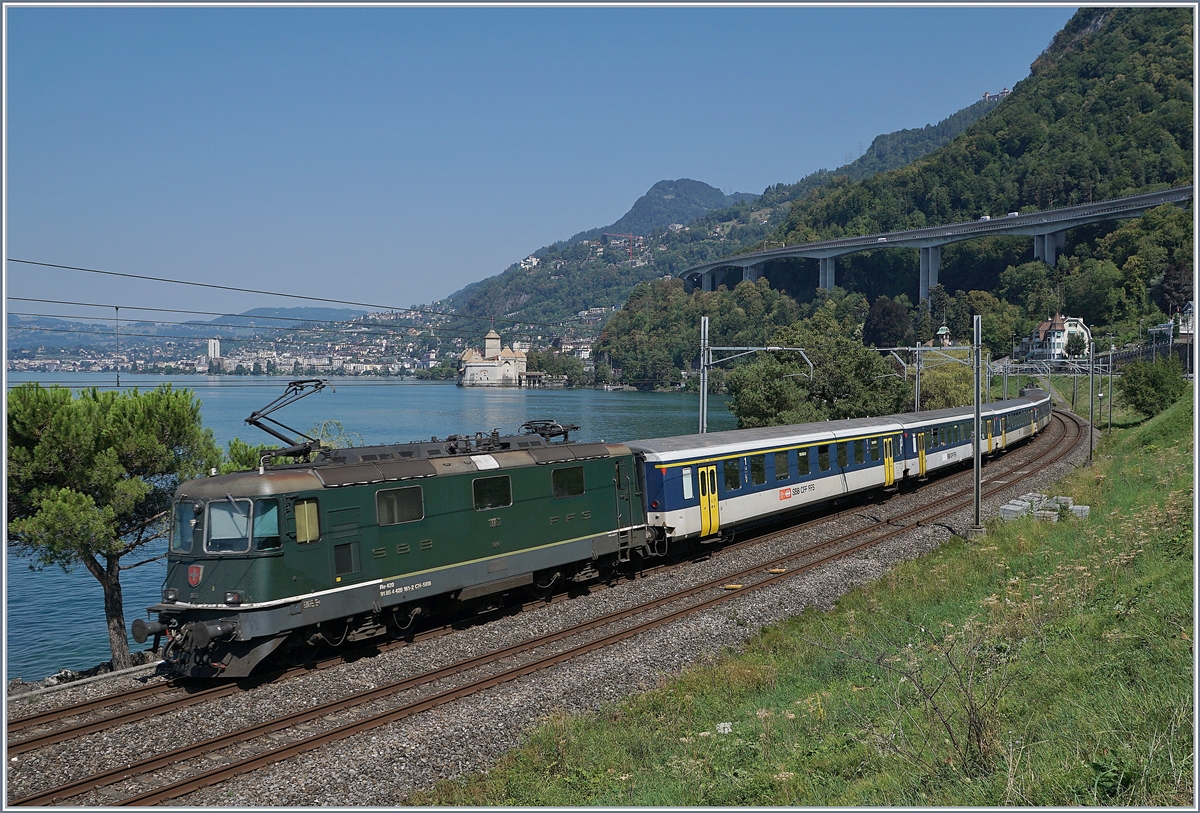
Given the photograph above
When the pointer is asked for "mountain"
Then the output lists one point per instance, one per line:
(287, 317)
(585, 273)
(1107, 111)
(667, 202)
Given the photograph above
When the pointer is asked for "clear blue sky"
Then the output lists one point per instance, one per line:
(394, 155)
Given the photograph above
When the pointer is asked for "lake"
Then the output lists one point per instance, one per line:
(68, 631)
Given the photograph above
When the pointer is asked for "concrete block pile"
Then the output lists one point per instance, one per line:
(1043, 507)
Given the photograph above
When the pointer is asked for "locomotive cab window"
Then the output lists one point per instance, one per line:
(228, 526)
(266, 525)
(308, 527)
(733, 474)
(567, 482)
(186, 522)
(396, 505)
(492, 492)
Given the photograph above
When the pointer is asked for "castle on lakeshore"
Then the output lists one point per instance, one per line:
(494, 367)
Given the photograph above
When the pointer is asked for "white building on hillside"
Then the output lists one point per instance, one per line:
(1048, 342)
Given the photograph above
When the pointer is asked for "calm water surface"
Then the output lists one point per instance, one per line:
(40, 640)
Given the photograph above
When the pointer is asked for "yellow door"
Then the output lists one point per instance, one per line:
(989, 431)
(710, 517)
(921, 453)
(889, 463)
(1003, 433)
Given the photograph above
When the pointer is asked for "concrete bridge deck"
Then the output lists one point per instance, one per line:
(1047, 228)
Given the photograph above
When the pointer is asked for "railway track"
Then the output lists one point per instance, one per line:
(310, 728)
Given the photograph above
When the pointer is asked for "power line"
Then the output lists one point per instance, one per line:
(276, 293)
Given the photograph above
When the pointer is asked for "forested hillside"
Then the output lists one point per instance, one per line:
(588, 272)
(1107, 111)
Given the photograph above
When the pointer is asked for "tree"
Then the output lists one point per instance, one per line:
(1076, 345)
(847, 380)
(888, 324)
(1151, 387)
(90, 479)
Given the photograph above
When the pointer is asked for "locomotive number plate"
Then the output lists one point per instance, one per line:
(391, 589)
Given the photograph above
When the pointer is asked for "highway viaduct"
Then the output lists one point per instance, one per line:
(1048, 229)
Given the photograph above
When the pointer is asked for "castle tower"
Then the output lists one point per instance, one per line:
(491, 345)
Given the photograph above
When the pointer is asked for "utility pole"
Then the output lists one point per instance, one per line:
(703, 374)
(976, 528)
(1091, 397)
(917, 396)
(117, 359)
(1111, 348)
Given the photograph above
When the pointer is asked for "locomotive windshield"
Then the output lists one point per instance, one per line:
(183, 527)
(231, 521)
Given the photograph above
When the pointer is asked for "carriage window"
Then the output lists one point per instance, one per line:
(567, 482)
(802, 461)
(874, 448)
(843, 457)
(228, 526)
(823, 457)
(781, 465)
(308, 529)
(860, 451)
(733, 475)
(266, 525)
(396, 505)
(687, 482)
(758, 469)
(183, 529)
(492, 492)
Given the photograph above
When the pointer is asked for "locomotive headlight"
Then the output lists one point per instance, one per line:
(170, 595)
(233, 597)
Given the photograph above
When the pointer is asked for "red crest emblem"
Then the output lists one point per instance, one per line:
(195, 573)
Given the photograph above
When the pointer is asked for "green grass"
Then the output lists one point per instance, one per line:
(1043, 664)
(1123, 417)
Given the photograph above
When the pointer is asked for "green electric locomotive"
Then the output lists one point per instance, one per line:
(360, 542)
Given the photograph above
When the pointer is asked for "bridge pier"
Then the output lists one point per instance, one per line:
(931, 263)
(828, 273)
(752, 273)
(1047, 246)
(707, 280)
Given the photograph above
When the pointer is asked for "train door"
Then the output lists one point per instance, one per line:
(305, 547)
(710, 516)
(1003, 432)
(921, 454)
(624, 508)
(343, 530)
(889, 463)
(1032, 422)
(990, 435)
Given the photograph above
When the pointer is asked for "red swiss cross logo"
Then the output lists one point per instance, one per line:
(195, 573)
